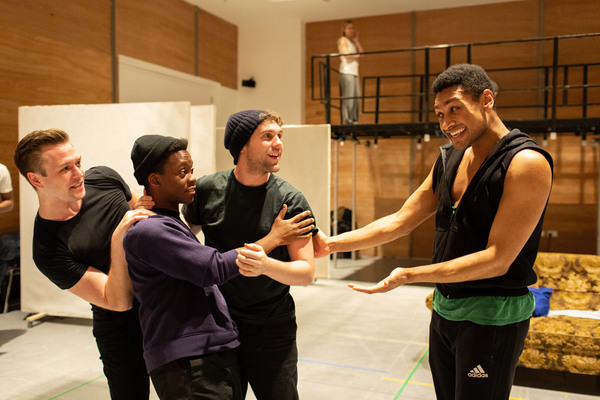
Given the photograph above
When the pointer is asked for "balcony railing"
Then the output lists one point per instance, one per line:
(551, 89)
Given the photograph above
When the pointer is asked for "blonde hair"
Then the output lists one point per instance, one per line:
(270, 115)
(345, 24)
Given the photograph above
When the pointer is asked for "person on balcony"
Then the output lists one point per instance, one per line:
(349, 44)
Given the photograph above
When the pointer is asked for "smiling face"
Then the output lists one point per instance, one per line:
(263, 151)
(462, 118)
(176, 183)
(63, 175)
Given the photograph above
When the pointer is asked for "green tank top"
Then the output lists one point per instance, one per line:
(485, 310)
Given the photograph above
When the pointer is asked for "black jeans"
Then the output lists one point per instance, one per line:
(268, 359)
(474, 362)
(213, 376)
(119, 339)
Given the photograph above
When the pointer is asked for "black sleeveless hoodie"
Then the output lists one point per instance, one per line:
(466, 230)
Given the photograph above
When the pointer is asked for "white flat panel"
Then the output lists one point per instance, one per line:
(140, 81)
(306, 165)
(202, 139)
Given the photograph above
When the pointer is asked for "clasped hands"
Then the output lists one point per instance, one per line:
(252, 260)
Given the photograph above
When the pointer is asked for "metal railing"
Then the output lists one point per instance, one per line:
(548, 87)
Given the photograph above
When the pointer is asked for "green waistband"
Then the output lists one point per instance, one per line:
(485, 310)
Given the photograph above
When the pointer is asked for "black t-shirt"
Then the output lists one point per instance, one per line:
(232, 214)
(63, 250)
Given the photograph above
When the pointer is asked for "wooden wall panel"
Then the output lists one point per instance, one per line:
(381, 174)
(476, 24)
(488, 23)
(157, 31)
(320, 39)
(575, 171)
(390, 32)
(81, 23)
(59, 52)
(571, 17)
(217, 50)
(559, 20)
(383, 177)
(572, 209)
(576, 227)
(52, 52)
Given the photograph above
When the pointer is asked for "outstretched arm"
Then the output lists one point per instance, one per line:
(526, 190)
(419, 206)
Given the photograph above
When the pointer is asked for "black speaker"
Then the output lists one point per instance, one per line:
(249, 82)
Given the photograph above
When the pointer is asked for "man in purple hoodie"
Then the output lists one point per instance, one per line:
(189, 336)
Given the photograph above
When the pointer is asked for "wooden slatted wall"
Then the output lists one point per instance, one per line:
(59, 52)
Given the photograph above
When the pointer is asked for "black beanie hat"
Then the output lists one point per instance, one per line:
(238, 130)
(147, 151)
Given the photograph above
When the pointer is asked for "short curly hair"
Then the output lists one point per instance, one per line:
(472, 78)
(270, 115)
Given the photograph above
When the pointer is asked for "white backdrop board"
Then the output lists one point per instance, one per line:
(306, 165)
(140, 81)
(104, 135)
(202, 139)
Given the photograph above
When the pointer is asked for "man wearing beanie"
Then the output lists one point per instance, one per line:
(238, 206)
(77, 239)
(189, 336)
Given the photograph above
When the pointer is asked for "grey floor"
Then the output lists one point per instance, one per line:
(351, 346)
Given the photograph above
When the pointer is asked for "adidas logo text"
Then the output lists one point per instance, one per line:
(477, 372)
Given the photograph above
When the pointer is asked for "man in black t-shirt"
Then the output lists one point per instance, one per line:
(239, 206)
(77, 244)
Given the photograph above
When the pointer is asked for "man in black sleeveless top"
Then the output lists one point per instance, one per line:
(488, 189)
